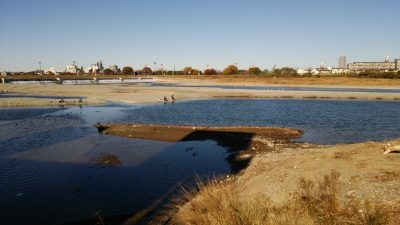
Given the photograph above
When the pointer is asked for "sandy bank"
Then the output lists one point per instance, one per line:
(364, 171)
(96, 94)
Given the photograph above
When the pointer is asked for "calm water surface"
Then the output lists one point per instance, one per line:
(324, 121)
(47, 174)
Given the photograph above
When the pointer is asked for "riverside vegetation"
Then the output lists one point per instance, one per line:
(219, 202)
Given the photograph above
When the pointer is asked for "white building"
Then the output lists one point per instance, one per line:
(114, 68)
(302, 71)
(97, 67)
(375, 66)
(71, 69)
(51, 70)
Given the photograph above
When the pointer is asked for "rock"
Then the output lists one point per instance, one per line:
(350, 193)
(245, 156)
(270, 144)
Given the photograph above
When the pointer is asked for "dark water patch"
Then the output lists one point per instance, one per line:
(7, 114)
(84, 189)
(39, 139)
(48, 176)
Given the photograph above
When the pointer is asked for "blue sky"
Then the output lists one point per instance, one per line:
(195, 33)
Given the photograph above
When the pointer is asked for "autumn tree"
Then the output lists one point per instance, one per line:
(254, 70)
(195, 72)
(127, 70)
(108, 71)
(210, 72)
(147, 71)
(188, 70)
(231, 69)
(285, 71)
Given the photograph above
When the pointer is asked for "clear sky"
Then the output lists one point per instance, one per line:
(296, 33)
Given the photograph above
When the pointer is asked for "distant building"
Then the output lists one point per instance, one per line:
(100, 66)
(386, 65)
(342, 62)
(302, 71)
(114, 68)
(97, 67)
(52, 70)
(71, 69)
(324, 70)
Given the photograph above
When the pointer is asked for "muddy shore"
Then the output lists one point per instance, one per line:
(189, 133)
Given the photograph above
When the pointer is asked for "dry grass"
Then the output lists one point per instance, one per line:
(315, 203)
(386, 176)
(296, 80)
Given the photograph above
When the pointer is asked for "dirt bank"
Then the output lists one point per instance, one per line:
(365, 172)
(341, 184)
(188, 133)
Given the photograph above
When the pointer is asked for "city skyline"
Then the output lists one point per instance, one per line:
(177, 34)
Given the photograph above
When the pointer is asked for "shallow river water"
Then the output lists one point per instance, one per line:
(47, 155)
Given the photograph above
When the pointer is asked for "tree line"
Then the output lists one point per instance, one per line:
(229, 70)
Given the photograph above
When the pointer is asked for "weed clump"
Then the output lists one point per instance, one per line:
(315, 203)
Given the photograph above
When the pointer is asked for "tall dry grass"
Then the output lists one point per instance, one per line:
(315, 203)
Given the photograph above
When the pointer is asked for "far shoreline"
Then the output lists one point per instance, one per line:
(102, 94)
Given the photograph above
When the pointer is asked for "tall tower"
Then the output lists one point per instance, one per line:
(342, 62)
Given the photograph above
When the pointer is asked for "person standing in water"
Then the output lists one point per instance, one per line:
(173, 98)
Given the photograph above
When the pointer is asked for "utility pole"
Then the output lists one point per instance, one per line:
(154, 71)
(74, 64)
(236, 64)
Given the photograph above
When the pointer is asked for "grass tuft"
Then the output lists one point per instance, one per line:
(315, 203)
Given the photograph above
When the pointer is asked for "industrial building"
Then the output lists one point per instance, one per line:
(342, 62)
(375, 66)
